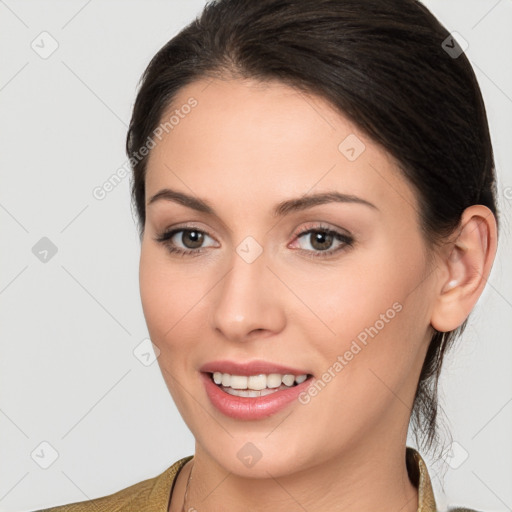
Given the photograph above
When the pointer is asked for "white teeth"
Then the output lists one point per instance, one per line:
(238, 381)
(274, 380)
(300, 379)
(257, 382)
(288, 380)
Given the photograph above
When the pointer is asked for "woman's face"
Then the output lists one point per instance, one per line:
(351, 308)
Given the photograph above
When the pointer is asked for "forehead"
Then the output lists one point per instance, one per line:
(251, 141)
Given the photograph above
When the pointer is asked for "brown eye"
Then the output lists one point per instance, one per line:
(191, 238)
(321, 240)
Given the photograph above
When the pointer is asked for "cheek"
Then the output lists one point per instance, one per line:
(172, 300)
(375, 345)
(168, 298)
(353, 297)
(154, 292)
(161, 292)
(372, 306)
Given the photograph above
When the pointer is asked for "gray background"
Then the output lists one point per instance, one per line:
(69, 376)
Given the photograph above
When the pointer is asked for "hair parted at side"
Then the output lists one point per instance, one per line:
(383, 65)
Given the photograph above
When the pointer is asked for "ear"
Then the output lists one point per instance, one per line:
(464, 268)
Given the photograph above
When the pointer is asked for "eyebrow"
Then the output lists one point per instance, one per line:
(281, 209)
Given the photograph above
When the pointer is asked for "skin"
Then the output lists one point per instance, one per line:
(245, 147)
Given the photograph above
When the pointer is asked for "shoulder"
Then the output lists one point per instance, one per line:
(145, 496)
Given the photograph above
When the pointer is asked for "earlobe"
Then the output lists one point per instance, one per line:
(465, 269)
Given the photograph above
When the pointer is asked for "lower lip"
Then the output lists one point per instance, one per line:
(246, 408)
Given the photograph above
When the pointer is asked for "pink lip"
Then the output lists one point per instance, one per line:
(250, 368)
(246, 408)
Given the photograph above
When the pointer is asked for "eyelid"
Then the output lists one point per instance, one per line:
(321, 226)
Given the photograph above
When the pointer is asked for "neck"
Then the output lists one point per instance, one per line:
(355, 481)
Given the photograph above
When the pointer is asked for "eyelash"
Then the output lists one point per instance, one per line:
(347, 240)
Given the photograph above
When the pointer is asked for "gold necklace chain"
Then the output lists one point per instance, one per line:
(186, 488)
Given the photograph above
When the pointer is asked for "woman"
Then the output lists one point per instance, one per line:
(315, 186)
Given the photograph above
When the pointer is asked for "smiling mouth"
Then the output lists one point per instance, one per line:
(254, 386)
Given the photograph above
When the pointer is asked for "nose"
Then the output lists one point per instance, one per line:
(248, 301)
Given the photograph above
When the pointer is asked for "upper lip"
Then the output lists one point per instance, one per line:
(250, 368)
